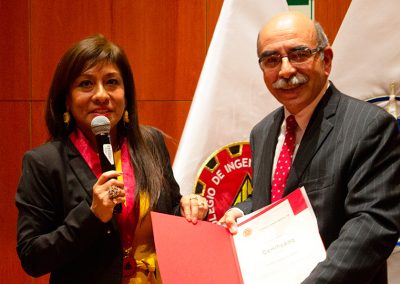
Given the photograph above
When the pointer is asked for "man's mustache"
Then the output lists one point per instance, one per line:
(293, 81)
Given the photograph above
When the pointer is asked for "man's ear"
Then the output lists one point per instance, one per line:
(328, 56)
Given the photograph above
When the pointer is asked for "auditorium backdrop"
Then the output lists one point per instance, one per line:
(166, 42)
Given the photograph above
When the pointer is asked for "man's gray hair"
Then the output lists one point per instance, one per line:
(322, 39)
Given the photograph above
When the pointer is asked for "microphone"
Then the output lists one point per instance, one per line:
(101, 129)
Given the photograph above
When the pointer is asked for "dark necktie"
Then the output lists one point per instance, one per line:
(285, 160)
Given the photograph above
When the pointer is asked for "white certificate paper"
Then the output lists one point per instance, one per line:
(279, 243)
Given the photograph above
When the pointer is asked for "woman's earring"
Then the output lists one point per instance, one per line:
(126, 116)
(67, 118)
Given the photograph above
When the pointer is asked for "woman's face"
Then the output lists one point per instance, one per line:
(97, 91)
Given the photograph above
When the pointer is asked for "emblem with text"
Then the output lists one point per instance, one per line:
(225, 178)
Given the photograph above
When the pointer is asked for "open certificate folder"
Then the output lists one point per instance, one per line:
(279, 243)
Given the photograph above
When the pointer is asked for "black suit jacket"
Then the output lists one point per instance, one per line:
(57, 231)
(349, 163)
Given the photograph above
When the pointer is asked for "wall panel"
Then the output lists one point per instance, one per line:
(55, 26)
(142, 29)
(14, 39)
(213, 10)
(330, 14)
(169, 116)
(163, 44)
(39, 134)
(191, 48)
(14, 123)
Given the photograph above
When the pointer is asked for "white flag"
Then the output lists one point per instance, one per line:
(366, 49)
(366, 65)
(231, 96)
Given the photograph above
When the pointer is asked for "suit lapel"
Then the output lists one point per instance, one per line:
(266, 160)
(317, 131)
(81, 170)
(84, 174)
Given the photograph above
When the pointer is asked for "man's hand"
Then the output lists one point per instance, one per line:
(229, 219)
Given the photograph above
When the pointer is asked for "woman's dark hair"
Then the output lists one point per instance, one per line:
(82, 56)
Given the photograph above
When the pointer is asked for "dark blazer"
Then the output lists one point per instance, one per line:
(349, 163)
(57, 231)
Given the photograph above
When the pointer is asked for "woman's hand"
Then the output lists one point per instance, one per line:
(107, 192)
(193, 207)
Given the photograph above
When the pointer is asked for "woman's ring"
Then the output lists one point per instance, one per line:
(194, 197)
(113, 192)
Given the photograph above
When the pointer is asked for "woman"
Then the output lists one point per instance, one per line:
(66, 223)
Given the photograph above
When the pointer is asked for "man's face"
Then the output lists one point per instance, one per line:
(294, 84)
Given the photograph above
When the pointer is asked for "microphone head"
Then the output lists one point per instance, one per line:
(100, 125)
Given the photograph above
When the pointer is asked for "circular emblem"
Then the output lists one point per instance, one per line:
(224, 179)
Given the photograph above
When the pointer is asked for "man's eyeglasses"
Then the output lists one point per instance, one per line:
(296, 56)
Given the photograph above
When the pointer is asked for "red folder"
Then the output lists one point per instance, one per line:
(203, 254)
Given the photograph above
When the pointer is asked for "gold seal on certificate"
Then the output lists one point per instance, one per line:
(247, 232)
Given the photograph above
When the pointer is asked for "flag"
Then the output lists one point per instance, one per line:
(366, 65)
(231, 96)
(367, 52)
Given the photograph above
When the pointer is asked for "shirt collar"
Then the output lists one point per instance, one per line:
(304, 116)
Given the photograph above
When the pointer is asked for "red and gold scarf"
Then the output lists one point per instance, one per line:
(127, 219)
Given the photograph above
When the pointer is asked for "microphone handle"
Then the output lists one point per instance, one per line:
(106, 156)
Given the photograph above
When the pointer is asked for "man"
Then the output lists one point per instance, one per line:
(345, 153)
